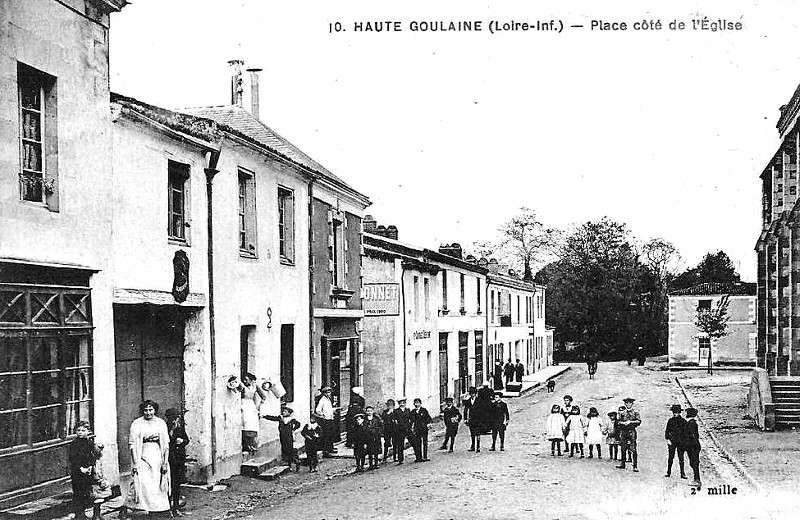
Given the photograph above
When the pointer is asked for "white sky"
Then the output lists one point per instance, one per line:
(449, 133)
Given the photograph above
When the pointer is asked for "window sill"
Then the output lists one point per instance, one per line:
(444, 312)
(178, 241)
(248, 255)
(286, 261)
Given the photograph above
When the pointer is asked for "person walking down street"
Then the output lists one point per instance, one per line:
(675, 434)
(554, 429)
(594, 432)
(355, 407)
(451, 417)
(497, 377)
(420, 421)
(508, 371)
(480, 416)
(500, 421)
(149, 445)
(629, 420)
(469, 402)
(575, 431)
(693, 444)
(519, 371)
(387, 417)
(252, 397)
(612, 435)
(82, 457)
(324, 413)
(374, 427)
(287, 425)
(402, 424)
(312, 433)
(591, 363)
(178, 440)
(359, 436)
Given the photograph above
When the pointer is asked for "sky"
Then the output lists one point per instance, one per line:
(449, 133)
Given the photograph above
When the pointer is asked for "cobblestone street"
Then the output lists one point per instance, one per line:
(526, 482)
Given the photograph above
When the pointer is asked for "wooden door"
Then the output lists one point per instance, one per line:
(442, 366)
(148, 343)
(463, 357)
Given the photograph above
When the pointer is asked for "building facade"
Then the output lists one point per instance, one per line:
(777, 248)
(56, 319)
(690, 348)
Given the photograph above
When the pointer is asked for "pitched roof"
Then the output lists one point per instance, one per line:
(239, 121)
(199, 127)
(703, 289)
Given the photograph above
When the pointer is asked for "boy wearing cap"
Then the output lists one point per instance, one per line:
(499, 421)
(629, 420)
(286, 427)
(420, 419)
(451, 417)
(402, 424)
(389, 427)
(374, 430)
(675, 433)
(693, 444)
(359, 435)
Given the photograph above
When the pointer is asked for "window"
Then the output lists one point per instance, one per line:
(287, 361)
(792, 190)
(286, 225)
(780, 188)
(247, 213)
(479, 357)
(479, 294)
(703, 305)
(337, 250)
(518, 308)
(444, 290)
(462, 309)
(38, 142)
(427, 297)
(178, 174)
(491, 306)
(416, 297)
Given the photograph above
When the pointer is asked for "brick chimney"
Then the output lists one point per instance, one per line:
(453, 250)
(369, 224)
(254, 92)
(391, 232)
(381, 230)
(236, 82)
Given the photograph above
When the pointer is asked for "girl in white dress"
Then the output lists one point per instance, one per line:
(576, 431)
(554, 429)
(594, 432)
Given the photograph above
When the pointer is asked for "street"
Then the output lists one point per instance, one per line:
(525, 481)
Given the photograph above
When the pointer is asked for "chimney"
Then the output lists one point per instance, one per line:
(369, 224)
(236, 82)
(254, 104)
(453, 250)
(381, 230)
(391, 232)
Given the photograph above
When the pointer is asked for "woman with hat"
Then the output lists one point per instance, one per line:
(675, 434)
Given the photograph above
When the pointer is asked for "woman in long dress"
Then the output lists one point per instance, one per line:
(252, 397)
(149, 444)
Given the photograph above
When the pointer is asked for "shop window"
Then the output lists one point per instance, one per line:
(286, 225)
(38, 137)
(178, 179)
(247, 214)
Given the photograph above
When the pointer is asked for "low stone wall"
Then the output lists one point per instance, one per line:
(759, 400)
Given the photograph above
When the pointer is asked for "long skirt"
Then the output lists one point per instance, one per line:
(151, 487)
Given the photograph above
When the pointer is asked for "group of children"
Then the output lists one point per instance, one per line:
(566, 424)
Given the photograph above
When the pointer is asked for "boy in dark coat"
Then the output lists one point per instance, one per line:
(374, 431)
(451, 417)
(387, 416)
(675, 433)
(693, 444)
(402, 424)
(420, 419)
(286, 427)
(359, 436)
(312, 433)
(500, 418)
(177, 455)
(82, 456)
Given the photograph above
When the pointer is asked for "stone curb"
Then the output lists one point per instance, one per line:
(542, 384)
(721, 447)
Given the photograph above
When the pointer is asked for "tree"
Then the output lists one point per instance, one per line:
(713, 323)
(525, 241)
(714, 268)
(662, 260)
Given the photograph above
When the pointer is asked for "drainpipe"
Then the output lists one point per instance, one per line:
(405, 331)
(311, 292)
(211, 171)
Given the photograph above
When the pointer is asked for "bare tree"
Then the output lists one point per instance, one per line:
(526, 241)
(662, 258)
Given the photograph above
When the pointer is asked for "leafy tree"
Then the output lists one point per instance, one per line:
(714, 268)
(713, 323)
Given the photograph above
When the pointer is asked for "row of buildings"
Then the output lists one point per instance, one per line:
(148, 253)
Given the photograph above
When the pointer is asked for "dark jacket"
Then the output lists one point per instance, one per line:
(692, 435)
(420, 419)
(177, 452)
(498, 377)
(81, 455)
(374, 432)
(500, 413)
(519, 371)
(402, 421)
(676, 431)
(285, 429)
(451, 417)
(389, 426)
(508, 370)
(312, 436)
(359, 436)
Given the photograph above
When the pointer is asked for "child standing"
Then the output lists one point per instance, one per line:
(360, 438)
(451, 417)
(177, 456)
(576, 431)
(554, 429)
(286, 427)
(420, 421)
(620, 411)
(312, 433)
(373, 427)
(83, 455)
(612, 435)
(594, 432)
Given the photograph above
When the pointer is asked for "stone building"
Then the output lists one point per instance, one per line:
(689, 347)
(778, 249)
(56, 196)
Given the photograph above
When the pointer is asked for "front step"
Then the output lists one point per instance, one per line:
(786, 399)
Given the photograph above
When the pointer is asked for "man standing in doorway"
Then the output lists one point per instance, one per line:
(324, 413)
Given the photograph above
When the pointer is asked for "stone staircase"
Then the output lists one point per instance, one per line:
(786, 398)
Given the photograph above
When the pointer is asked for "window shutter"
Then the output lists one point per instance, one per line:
(289, 222)
(251, 214)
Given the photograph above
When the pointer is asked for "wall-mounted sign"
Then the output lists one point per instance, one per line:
(381, 299)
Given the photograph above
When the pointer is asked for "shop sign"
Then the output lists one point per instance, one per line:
(381, 299)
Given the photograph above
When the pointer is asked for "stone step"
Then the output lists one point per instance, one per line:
(256, 466)
(272, 473)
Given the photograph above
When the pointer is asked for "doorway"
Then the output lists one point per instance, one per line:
(463, 359)
(442, 366)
